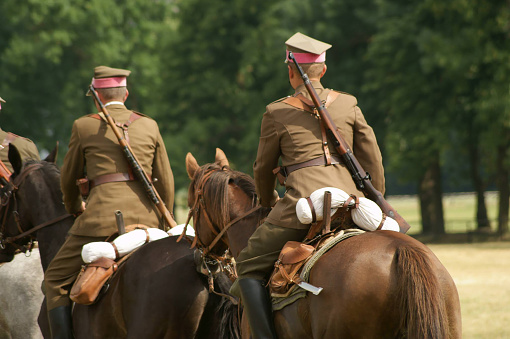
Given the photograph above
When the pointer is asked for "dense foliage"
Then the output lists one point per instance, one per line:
(431, 76)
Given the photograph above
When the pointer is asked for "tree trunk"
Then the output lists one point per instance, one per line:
(504, 190)
(431, 200)
(482, 220)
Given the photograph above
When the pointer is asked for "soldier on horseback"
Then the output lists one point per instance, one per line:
(291, 130)
(97, 163)
(26, 147)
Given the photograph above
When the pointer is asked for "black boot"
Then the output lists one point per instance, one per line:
(61, 323)
(257, 304)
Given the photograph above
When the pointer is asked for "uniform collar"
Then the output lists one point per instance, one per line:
(114, 103)
(302, 89)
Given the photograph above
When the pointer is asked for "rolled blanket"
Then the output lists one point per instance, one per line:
(304, 212)
(125, 243)
(368, 216)
(177, 230)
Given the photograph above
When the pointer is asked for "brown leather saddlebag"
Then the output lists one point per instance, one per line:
(286, 273)
(91, 279)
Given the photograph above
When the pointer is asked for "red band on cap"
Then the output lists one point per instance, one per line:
(109, 82)
(308, 58)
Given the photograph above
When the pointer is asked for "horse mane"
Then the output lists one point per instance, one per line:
(215, 191)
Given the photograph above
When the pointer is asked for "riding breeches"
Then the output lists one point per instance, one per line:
(257, 259)
(63, 270)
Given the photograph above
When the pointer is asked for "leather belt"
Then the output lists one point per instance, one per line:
(114, 177)
(283, 172)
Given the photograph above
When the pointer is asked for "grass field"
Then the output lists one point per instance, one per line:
(481, 272)
(459, 211)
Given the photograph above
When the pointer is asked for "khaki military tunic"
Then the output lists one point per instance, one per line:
(294, 136)
(26, 148)
(93, 152)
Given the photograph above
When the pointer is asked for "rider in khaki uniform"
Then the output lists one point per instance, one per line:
(26, 147)
(94, 152)
(293, 134)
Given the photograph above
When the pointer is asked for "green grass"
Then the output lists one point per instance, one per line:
(459, 211)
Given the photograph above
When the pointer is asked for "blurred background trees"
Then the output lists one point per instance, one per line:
(430, 76)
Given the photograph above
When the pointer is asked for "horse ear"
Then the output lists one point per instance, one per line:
(191, 165)
(221, 158)
(52, 157)
(15, 159)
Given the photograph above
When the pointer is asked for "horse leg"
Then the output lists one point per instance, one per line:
(293, 321)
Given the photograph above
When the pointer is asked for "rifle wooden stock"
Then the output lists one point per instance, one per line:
(135, 165)
(361, 178)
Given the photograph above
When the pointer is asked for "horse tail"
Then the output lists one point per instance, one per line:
(228, 310)
(419, 296)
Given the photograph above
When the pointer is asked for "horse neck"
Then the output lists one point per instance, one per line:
(51, 238)
(42, 202)
(239, 233)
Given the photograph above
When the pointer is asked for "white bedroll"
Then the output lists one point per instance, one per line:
(127, 243)
(368, 216)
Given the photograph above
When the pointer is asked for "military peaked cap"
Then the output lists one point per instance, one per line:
(306, 49)
(108, 77)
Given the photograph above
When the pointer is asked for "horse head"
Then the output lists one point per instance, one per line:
(223, 204)
(31, 201)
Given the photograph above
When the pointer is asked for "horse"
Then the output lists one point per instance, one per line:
(20, 296)
(157, 293)
(380, 284)
(25, 219)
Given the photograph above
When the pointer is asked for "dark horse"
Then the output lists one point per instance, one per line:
(157, 293)
(379, 284)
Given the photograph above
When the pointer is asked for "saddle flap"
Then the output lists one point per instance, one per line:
(294, 252)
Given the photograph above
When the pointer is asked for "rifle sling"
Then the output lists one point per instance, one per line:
(116, 177)
(301, 102)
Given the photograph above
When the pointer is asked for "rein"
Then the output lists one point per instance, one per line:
(10, 192)
(198, 206)
(225, 261)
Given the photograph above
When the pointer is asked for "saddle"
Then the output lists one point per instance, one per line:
(287, 274)
(93, 280)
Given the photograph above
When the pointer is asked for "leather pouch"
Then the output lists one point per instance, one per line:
(91, 280)
(287, 268)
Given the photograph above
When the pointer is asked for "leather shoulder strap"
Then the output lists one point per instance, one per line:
(301, 102)
(95, 116)
(298, 103)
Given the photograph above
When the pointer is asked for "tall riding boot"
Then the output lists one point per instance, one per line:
(61, 323)
(258, 306)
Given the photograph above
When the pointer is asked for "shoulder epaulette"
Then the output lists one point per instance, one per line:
(279, 100)
(332, 90)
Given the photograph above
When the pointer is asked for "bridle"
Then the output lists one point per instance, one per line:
(208, 258)
(199, 208)
(7, 199)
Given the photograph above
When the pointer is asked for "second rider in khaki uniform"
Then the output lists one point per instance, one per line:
(291, 132)
(94, 152)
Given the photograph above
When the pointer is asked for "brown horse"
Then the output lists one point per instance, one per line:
(379, 284)
(157, 293)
